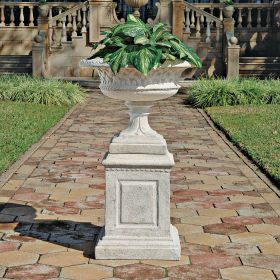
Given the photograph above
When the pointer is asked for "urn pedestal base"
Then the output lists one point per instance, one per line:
(130, 248)
(137, 217)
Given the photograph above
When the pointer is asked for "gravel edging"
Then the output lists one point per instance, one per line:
(250, 163)
(4, 177)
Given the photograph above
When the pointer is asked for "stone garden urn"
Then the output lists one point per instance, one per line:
(137, 167)
(228, 11)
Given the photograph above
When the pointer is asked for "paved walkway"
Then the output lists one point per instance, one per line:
(51, 209)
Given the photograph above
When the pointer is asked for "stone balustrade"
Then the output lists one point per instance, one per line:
(25, 14)
(247, 15)
(68, 24)
(199, 23)
(18, 14)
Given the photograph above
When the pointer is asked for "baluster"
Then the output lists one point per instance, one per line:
(239, 17)
(217, 34)
(79, 19)
(202, 19)
(69, 21)
(192, 20)
(259, 19)
(268, 17)
(21, 16)
(59, 12)
(84, 28)
(2, 23)
(74, 32)
(187, 28)
(249, 19)
(221, 14)
(63, 30)
(31, 16)
(50, 28)
(211, 12)
(197, 25)
(12, 17)
(88, 16)
(208, 31)
(51, 16)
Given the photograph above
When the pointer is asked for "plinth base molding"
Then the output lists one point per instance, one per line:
(130, 247)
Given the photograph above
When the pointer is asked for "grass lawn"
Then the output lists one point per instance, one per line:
(256, 130)
(21, 125)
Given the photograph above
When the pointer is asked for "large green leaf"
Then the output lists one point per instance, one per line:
(168, 56)
(186, 53)
(157, 35)
(141, 40)
(132, 19)
(166, 36)
(159, 25)
(191, 55)
(117, 59)
(164, 44)
(145, 59)
(133, 27)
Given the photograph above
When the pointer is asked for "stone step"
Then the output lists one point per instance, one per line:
(259, 66)
(259, 59)
(15, 70)
(18, 64)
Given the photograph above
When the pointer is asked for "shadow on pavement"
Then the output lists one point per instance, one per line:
(76, 235)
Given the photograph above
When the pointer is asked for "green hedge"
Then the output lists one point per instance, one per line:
(207, 92)
(42, 91)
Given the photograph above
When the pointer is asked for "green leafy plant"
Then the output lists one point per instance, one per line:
(227, 2)
(42, 91)
(207, 92)
(141, 45)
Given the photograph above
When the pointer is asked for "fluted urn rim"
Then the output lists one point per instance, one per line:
(98, 62)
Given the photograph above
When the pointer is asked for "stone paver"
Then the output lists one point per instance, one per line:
(52, 207)
(14, 258)
(139, 272)
(247, 273)
(35, 271)
(86, 272)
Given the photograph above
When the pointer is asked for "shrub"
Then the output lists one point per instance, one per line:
(44, 91)
(273, 91)
(207, 92)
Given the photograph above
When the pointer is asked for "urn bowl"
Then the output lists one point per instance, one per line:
(131, 85)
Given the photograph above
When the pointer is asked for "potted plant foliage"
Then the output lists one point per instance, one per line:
(142, 46)
(228, 9)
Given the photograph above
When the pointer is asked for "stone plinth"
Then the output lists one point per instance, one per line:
(137, 213)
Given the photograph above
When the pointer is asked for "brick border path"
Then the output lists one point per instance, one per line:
(51, 208)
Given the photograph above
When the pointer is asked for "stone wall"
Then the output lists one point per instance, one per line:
(17, 40)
